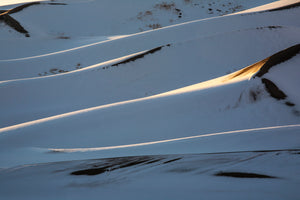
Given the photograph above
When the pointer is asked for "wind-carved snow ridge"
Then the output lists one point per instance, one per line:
(172, 140)
(241, 75)
(173, 99)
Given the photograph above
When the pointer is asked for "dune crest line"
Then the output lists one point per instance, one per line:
(72, 150)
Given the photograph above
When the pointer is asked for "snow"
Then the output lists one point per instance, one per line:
(12, 2)
(276, 4)
(192, 176)
(101, 87)
(287, 79)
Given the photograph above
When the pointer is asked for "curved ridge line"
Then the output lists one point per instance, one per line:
(72, 150)
(106, 41)
(188, 89)
(61, 51)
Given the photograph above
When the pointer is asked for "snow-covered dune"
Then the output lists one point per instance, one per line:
(170, 176)
(40, 64)
(170, 67)
(236, 101)
(143, 85)
(189, 58)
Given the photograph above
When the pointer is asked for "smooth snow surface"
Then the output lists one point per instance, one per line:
(182, 99)
(12, 2)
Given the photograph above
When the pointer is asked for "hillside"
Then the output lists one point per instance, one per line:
(186, 98)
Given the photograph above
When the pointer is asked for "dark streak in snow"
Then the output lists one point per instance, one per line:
(273, 90)
(134, 58)
(243, 175)
(116, 163)
(173, 160)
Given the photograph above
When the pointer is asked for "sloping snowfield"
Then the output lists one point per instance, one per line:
(131, 99)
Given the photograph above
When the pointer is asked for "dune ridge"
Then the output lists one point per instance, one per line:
(133, 96)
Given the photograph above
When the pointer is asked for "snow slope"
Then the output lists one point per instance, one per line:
(186, 94)
(12, 2)
(170, 176)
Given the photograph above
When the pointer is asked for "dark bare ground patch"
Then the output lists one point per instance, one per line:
(143, 15)
(134, 58)
(273, 90)
(8, 20)
(276, 93)
(11, 22)
(278, 58)
(242, 175)
(289, 104)
(154, 26)
(268, 27)
(63, 37)
(53, 71)
(56, 4)
(165, 6)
